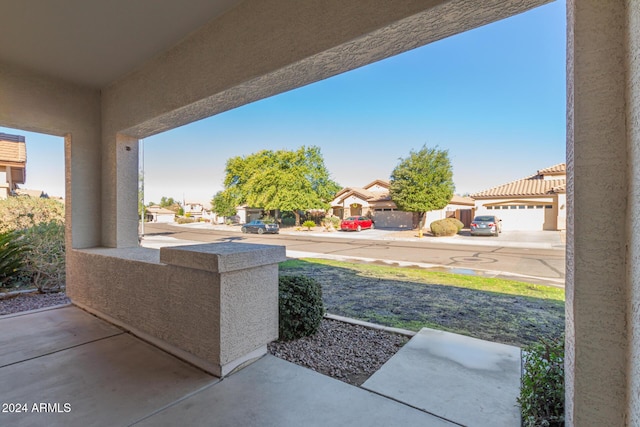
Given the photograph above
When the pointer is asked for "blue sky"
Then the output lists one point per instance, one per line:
(493, 97)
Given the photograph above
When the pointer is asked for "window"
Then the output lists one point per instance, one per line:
(548, 206)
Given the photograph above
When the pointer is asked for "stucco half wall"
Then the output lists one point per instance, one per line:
(214, 305)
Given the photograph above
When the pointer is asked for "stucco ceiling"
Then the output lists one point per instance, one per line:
(94, 42)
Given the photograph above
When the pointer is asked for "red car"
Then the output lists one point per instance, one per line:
(356, 223)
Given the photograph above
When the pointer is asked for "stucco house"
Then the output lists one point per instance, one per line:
(117, 87)
(156, 213)
(373, 200)
(536, 202)
(194, 210)
(13, 163)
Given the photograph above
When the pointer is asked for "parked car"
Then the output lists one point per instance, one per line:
(260, 227)
(356, 223)
(486, 224)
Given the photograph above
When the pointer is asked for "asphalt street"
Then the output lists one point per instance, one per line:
(529, 257)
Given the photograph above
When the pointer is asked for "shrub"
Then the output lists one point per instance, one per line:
(542, 392)
(288, 221)
(17, 213)
(12, 249)
(184, 220)
(309, 224)
(459, 225)
(301, 307)
(331, 223)
(268, 219)
(443, 227)
(44, 262)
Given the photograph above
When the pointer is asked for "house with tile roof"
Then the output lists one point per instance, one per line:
(373, 200)
(13, 163)
(536, 202)
(156, 213)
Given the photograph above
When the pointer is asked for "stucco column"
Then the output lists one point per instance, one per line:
(597, 148)
(119, 191)
(633, 208)
(83, 215)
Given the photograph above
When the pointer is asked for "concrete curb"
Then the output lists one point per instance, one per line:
(37, 310)
(374, 326)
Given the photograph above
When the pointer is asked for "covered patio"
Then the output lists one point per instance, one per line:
(64, 367)
(103, 75)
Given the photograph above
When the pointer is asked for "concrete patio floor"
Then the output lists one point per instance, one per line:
(63, 366)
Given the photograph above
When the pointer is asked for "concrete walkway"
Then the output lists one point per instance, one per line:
(65, 367)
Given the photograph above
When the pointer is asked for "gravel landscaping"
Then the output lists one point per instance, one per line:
(16, 303)
(350, 353)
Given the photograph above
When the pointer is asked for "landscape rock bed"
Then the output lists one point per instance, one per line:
(16, 303)
(350, 353)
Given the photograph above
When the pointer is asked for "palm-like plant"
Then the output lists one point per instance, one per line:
(11, 255)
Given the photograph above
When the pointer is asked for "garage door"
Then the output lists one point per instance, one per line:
(393, 219)
(521, 217)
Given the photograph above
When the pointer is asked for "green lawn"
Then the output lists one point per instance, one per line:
(499, 310)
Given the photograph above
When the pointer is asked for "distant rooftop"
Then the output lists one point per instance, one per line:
(10, 137)
(534, 185)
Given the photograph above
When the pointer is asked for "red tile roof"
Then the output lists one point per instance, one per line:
(559, 169)
(534, 185)
(14, 152)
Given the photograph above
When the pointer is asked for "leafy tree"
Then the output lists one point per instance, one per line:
(141, 208)
(17, 213)
(166, 202)
(422, 182)
(285, 180)
(223, 204)
(171, 204)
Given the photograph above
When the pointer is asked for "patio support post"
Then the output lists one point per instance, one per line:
(600, 355)
(120, 191)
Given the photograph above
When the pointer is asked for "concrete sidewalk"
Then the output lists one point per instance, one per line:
(65, 367)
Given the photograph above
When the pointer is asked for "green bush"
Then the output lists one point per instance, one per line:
(268, 219)
(17, 213)
(309, 224)
(542, 392)
(459, 225)
(12, 249)
(301, 307)
(44, 261)
(331, 222)
(443, 227)
(289, 222)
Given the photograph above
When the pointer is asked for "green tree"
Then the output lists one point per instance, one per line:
(422, 182)
(223, 204)
(141, 207)
(171, 204)
(285, 180)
